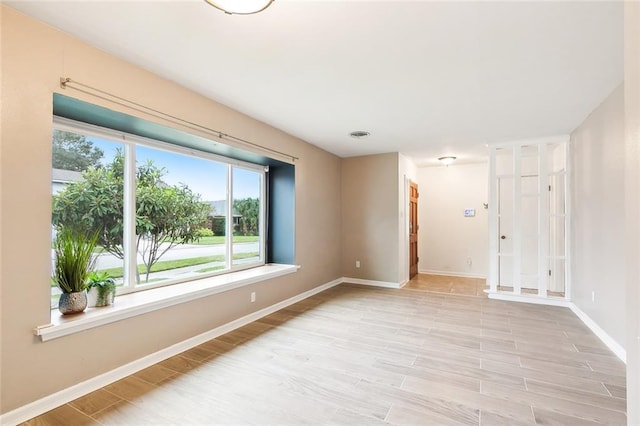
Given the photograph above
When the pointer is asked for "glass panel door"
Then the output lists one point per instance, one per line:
(505, 231)
(528, 223)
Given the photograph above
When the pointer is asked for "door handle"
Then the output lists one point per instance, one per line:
(503, 237)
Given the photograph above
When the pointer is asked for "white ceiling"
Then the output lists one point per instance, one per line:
(425, 78)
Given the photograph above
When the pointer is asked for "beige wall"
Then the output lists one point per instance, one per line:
(447, 239)
(370, 211)
(632, 192)
(34, 57)
(597, 221)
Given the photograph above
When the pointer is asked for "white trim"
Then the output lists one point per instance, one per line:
(405, 252)
(615, 347)
(138, 303)
(73, 126)
(544, 264)
(492, 276)
(130, 142)
(359, 281)
(517, 221)
(129, 213)
(528, 298)
(451, 273)
(495, 255)
(229, 223)
(567, 222)
(64, 396)
(533, 141)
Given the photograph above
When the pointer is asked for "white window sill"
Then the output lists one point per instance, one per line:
(138, 303)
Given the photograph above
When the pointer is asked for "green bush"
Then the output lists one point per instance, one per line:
(204, 232)
(219, 226)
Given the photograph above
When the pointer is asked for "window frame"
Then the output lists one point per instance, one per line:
(129, 142)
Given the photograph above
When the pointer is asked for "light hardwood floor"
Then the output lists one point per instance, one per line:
(449, 285)
(357, 355)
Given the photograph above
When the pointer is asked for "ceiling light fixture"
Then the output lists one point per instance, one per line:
(449, 159)
(240, 7)
(358, 134)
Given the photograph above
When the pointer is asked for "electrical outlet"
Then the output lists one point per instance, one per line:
(357, 263)
(469, 261)
(253, 296)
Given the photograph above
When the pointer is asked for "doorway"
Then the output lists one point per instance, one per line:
(528, 214)
(528, 235)
(413, 229)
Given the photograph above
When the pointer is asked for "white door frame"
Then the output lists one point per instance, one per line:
(543, 216)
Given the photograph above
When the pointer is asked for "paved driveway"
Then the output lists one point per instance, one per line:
(182, 251)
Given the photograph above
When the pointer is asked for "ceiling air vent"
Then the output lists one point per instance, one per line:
(359, 134)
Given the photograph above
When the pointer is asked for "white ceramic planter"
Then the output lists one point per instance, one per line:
(94, 298)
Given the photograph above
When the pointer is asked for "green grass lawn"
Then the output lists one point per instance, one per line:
(165, 265)
(211, 269)
(204, 241)
(219, 239)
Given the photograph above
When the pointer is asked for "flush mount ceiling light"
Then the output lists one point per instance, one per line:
(449, 159)
(358, 134)
(240, 7)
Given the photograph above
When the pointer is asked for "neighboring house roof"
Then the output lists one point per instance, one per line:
(219, 208)
(65, 176)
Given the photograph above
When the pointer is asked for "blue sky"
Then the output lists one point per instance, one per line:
(205, 177)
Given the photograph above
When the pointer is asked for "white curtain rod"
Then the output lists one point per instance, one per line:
(109, 97)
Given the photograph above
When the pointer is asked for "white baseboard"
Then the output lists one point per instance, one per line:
(528, 298)
(615, 347)
(451, 273)
(386, 284)
(64, 396)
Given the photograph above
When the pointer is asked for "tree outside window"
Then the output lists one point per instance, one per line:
(175, 198)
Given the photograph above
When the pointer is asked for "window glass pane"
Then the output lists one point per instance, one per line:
(186, 212)
(557, 236)
(529, 217)
(87, 192)
(529, 160)
(557, 280)
(529, 185)
(505, 272)
(247, 193)
(504, 161)
(180, 204)
(529, 262)
(556, 194)
(556, 157)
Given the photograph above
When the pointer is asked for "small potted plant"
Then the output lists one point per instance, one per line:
(73, 261)
(101, 289)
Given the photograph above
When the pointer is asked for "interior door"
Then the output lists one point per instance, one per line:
(413, 229)
(529, 234)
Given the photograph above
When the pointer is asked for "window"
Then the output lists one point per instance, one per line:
(164, 214)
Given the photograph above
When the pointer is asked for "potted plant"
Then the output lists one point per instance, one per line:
(73, 261)
(101, 289)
